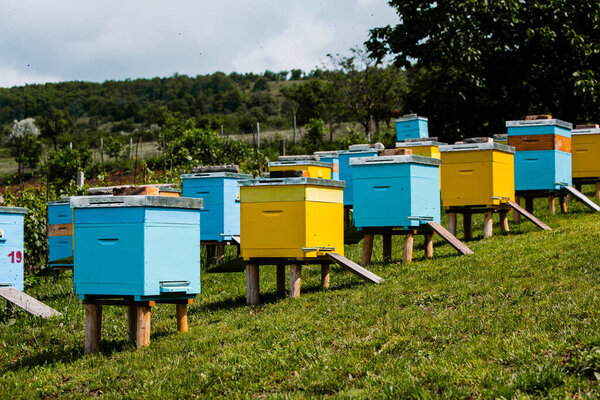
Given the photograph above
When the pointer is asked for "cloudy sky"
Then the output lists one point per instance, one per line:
(97, 40)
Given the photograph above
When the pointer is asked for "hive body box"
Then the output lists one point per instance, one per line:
(586, 153)
(12, 255)
(60, 233)
(543, 154)
(221, 212)
(293, 218)
(477, 174)
(411, 127)
(147, 247)
(425, 148)
(346, 172)
(331, 157)
(395, 191)
(311, 169)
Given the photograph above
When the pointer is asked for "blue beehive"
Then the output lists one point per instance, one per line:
(11, 246)
(541, 169)
(60, 233)
(355, 151)
(395, 191)
(411, 126)
(221, 195)
(331, 157)
(147, 247)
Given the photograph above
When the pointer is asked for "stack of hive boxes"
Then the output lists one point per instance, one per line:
(309, 165)
(586, 151)
(11, 247)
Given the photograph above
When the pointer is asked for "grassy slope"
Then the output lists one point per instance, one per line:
(519, 318)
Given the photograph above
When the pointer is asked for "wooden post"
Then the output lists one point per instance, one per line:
(252, 282)
(428, 245)
(504, 228)
(452, 223)
(325, 276)
(281, 278)
(282, 147)
(220, 253)
(387, 247)
(367, 249)
(488, 224)
(563, 204)
(408, 248)
(295, 280)
(131, 323)
(346, 218)
(93, 328)
(182, 320)
(529, 204)
(516, 214)
(597, 191)
(551, 204)
(142, 337)
(210, 253)
(467, 226)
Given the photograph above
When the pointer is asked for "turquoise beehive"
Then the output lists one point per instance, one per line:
(411, 126)
(221, 195)
(395, 191)
(147, 247)
(12, 255)
(60, 233)
(331, 157)
(354, 151)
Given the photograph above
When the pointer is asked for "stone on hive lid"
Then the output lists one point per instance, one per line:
(216, 168)
(540, 116)
(587, 126)
(394, 152)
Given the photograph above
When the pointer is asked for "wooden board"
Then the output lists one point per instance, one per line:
(28, 303)
(355, 268)
(540, 142)
(60, 230)
(450, 238)
(582, 197)
(529, 216)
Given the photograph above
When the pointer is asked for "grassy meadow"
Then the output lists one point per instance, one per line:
(520, 318)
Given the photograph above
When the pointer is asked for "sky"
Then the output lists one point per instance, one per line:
(97, 40)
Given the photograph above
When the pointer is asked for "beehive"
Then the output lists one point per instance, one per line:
(331, 157)
(477, 174)
(221, 195)
(310, 168)
(425, 148)
(585, 153)
(411, 127)
(501, 138)
(11, 247)
(360, 150)
(297, 218)
(543, 153)
(60, 233)
(395, 191)
(147, 247)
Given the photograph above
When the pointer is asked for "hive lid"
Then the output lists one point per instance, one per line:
(477, 146)
(539, 122)
(64, 200)
(366, 146)
(410, 117)
(201, 175)
(501, 136)
(326, 154)
(305, 157)
(593, 131)
(108, 190)
(13, 210)
(292, 181)
(217, 168)
(404, 159)
(136, 201)
(419, 143)
(299, 162)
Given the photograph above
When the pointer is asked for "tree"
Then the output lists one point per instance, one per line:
(63, 165)
(474, 64)
(24, 144)
(54, 124)
(114, 146)
(315, 132)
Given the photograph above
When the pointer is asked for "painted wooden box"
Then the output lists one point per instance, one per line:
(295, 218)
(60, 233)
(147, 247)
(395, 191)
(425, 148)
(331, 157)
(543, 154)
(221, 195)
(310, 169)
(360, 150)
(586, 153)
(477, 174)
(12, 255)
(411, 127)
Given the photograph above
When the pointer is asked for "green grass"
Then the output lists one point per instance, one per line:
(520, 318)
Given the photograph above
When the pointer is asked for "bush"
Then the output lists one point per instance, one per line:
(63, 165)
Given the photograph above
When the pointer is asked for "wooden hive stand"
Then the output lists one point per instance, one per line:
(562, 194)
(215, 250)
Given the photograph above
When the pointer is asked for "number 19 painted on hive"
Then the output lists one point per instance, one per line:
(15, 257)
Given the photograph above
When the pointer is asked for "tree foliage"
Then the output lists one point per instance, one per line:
(54, 124)
(24, 144)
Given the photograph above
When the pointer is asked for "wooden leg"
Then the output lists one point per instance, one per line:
(428, 245)
(516, 214)
(551, 204)
(452, 223)
(281, 278)
(563, 204)
(367, 250)
(408, 248)
(387, 247)
(142, 337)
(93, 328)
(220, 253)
(252, 281)
(325, 276)
(346, 218)
(210, 253)
(131, 323)
(597, 191)
(295, 280)
(529, 204)
(488, 224)
(238, 249)
(182, 320)
(504, 228)
(467, 226)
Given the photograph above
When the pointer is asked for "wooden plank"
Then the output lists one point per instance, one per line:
(136, 191)
(93, 328)
(60, 230)
(582, 197)
(540, 142)
(529, 216)
(450, 238)
(354, 268)
(28, 303)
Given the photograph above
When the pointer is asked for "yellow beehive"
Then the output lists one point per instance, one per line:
(585, 148)
(310, 169)
(426, 148)
(478, 174)
(296, 218)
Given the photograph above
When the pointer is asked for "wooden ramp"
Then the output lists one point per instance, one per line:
(535, 220)
(582, 197)
(450, 238)
(27, 303)
(355, 268)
